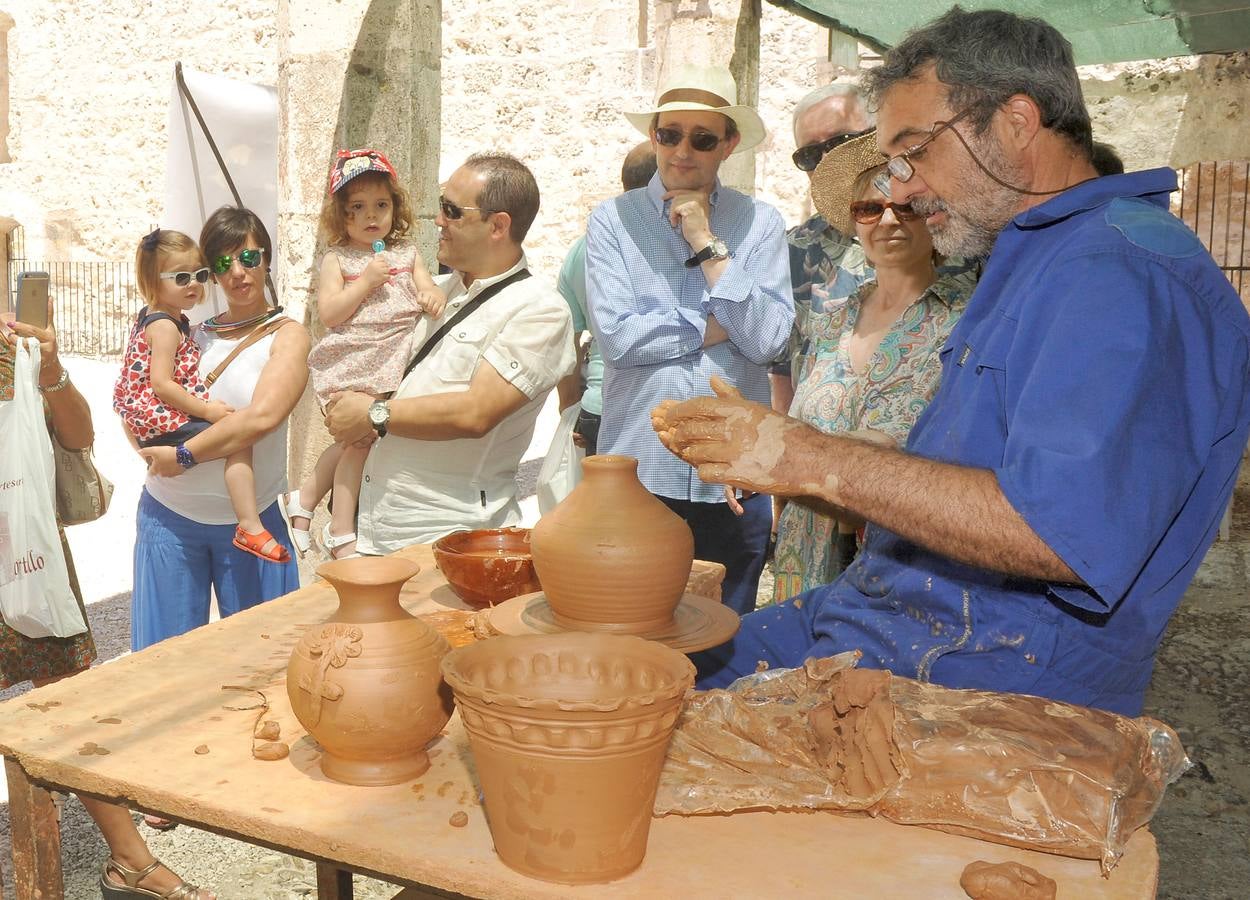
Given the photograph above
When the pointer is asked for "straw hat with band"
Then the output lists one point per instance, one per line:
(703, 89)
(833, 181)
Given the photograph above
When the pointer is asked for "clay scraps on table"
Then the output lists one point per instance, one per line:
(1008, 768)
(265, 743)
(983, 880)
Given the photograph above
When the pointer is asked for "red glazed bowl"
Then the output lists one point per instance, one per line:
(487, 566)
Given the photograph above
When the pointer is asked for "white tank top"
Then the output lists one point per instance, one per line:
(199, 494)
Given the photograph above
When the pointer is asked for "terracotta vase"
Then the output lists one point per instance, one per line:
(611, 557)
(568, 734)
(366, 683)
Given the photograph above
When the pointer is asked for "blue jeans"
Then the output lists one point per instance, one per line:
(739, 542)
(177, 560)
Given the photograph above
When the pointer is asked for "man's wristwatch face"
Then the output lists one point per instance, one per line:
(379, 415)
(719, 249)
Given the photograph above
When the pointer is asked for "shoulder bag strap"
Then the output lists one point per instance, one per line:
(459, 316)
(268, 328)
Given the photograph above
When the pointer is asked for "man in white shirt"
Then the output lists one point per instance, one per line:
(451, 438)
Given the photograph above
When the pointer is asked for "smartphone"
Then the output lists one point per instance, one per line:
(32, 298)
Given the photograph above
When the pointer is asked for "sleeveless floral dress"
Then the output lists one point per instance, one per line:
(900, 380)
(369, 351)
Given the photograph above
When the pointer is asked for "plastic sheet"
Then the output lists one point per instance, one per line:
(1008, 768)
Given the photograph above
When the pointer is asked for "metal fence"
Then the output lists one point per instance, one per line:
(93, 303)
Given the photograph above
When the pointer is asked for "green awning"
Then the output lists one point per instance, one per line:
(1101, 31)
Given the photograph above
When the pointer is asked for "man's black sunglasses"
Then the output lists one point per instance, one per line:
(453, 212)
(809, 157)
(703, 141)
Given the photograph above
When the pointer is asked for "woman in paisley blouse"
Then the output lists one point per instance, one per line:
(872, 360)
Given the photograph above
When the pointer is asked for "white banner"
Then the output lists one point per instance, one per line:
(243, 119)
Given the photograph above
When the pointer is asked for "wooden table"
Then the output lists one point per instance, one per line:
(151, 730)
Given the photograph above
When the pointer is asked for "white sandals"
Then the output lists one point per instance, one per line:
(300, 537)
(331, 542)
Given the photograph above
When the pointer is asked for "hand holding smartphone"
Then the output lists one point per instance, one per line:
(32, 298)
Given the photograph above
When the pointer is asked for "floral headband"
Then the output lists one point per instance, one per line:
(350, 163)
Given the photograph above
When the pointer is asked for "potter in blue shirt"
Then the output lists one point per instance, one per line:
(1063, 486)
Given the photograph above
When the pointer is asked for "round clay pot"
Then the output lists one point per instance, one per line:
(611, 557)
(487, 566)
(366, 684)
(568, 734)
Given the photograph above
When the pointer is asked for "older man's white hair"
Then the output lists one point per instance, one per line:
(822, 94)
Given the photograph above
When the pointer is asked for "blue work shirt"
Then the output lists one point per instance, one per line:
(648, 312)
(1100, 372)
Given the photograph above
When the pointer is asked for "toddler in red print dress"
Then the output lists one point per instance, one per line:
(373, 287)
(159, 393)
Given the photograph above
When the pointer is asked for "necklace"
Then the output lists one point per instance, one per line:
(215, 324)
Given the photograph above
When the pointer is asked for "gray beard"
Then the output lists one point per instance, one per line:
(961, 236)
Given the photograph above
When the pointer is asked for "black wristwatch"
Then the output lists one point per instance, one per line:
(379, 416)
(717, 249)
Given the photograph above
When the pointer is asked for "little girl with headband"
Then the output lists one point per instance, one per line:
(372, 288)
(159, 393)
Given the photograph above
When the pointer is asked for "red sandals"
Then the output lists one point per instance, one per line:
(255, 545)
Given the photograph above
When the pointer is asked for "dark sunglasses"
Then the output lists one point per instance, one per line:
(248, 259)
(453, 213)
(869, 212)
(182, 279)
(703, 141)
(809, 157)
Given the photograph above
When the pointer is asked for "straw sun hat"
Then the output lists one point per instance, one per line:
(705, 89)
(834, 179)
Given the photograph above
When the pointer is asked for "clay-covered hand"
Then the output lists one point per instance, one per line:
(161, 461)
(731, 440)
(432, 303)
(216, 410)
(347, 416)
(690, 211)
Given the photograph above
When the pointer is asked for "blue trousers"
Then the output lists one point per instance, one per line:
(177, 560)
(739, 542)
(782, 635)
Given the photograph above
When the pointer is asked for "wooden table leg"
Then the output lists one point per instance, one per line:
(36, 837)
(333, 883)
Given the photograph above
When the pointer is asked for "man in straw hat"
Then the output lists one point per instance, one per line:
(688, 279)
(1060, 491)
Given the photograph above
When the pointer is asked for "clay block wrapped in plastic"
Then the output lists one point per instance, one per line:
(1009, 768)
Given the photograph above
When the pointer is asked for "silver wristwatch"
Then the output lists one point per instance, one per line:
(379, 416)
(716, 249)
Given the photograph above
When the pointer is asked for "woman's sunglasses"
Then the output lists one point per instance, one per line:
(248, 259)
(182, 279)
(869, 212)
(703, 141)
(452, 212)
(808, 158)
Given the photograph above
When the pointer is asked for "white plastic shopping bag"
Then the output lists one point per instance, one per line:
(562, 469)
(35, 596)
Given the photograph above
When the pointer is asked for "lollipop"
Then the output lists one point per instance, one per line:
(379, 246)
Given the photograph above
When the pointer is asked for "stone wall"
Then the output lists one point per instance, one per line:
(89, 83)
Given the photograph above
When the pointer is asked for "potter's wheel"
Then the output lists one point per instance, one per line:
(698, 623)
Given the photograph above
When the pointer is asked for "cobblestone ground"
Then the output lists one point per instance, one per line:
(1200, 687)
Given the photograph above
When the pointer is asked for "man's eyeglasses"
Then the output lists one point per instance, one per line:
(808, 157)
(900, 167)
(248, 259)
(869, 212)
(703, 141)
(182, 279)
(454, 213)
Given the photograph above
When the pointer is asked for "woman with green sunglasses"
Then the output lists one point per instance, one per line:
(187, 542)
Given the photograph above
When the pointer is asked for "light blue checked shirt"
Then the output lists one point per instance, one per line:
(648, 313)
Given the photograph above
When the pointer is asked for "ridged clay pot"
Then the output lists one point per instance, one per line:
(366, 684)
(611, 557)
(568, 734)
